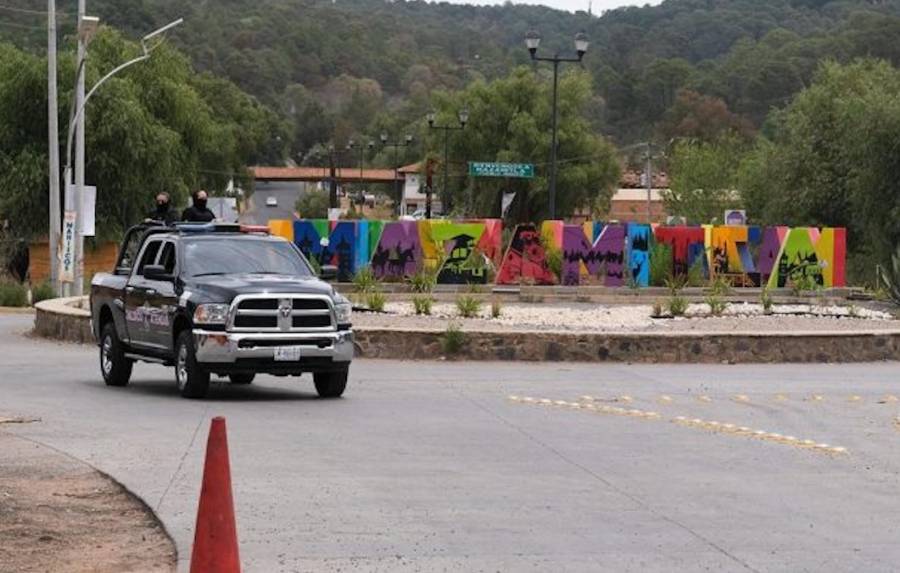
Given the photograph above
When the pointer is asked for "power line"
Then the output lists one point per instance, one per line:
(22, 26)
(27, 11)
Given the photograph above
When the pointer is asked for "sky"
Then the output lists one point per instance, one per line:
(571, 5)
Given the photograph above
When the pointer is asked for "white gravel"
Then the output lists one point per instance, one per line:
(582, 317)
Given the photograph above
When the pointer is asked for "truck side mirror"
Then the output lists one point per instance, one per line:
(328, 273)
(156, 273)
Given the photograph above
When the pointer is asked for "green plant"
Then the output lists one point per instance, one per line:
(717, 304)
(678, 305)
(423, 281)
(13, 294)
(468, 306)
(803, 284)
(422, 304)
(695, 273)
(316, 265)
(661, 264)
(765, 299)
(554, 257)
(675, 284)
(453, 340)
(496, 309)
(719, 286)
(43, 291)
(364, 281)
(853, 311)
(474, 288)
(375, 301)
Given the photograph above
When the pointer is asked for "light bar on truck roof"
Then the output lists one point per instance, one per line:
(209, 228)
(263, 229)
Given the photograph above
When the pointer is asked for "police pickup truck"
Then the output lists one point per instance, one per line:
(219, 299)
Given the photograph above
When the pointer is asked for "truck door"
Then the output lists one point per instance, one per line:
(163, 299)
(138, 293)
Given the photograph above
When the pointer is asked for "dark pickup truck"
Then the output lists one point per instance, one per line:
(219, 299)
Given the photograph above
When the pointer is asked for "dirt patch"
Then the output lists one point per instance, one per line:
(57, 514)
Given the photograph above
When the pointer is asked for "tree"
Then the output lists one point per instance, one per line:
(707, 118)
(313, 205)
(703, 179)
(510, 121)
(833, 161)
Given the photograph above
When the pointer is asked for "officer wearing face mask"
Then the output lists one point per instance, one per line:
(164, 212)
(198, 212)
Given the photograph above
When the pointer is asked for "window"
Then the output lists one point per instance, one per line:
(242, 255)
(149, 256)
(167, 257)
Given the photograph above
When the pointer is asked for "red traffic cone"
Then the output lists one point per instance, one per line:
(215, 539)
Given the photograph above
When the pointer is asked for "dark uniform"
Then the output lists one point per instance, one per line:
(198, 213)
(163, 213)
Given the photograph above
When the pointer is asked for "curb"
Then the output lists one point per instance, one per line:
(58, 319)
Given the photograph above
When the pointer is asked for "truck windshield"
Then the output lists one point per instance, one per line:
(229, 256)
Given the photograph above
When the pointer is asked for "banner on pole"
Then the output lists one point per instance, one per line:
(67, 253)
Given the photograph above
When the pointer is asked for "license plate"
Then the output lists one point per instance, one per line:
(287, 353)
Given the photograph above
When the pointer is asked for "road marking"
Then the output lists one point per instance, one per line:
(743, 398)
(696, 423)
(817, 398)
(665, 399)
(855, 398)
(706, 399)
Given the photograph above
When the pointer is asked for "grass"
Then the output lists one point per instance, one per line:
(678, 305)
(453, 340)
(422, 304)
(803, 284)
(695, 273)
(423, 281)
(13, 294)
(496, 309)
(468, 306)
(43, 291)
(765, 299)
(365, 281)
(375, 301)
(661, 264)
(719, 286)
(717, 304)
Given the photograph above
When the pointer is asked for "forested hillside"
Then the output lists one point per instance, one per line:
(354, 66)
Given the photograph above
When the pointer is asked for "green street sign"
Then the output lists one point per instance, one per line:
(485, 169)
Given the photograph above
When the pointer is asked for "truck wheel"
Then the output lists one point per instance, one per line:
(331, 384)
(242, 378)
(192, 380)
(115, 367)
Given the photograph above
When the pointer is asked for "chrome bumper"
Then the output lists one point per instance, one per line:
(228, 347)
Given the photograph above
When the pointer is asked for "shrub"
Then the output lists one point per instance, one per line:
(468, 306)
(765, 299)
(804, 283)
(695, 273)
(365, 281)
(43, 291)
(661, 264)
(423, 281)
(453, 340)
(554, 257)
(474, 288)
(375, 301)
(717, 305)
(719, 286)
(422, 304)
(677, 305)
(496, 309)
(13, 294)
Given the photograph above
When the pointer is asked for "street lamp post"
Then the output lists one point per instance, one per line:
(351, 145)
(532, 41)
(87, 27)
(406, 142)
(463, 118)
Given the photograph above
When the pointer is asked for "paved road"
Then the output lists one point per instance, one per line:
(258, 213)
(430, 466)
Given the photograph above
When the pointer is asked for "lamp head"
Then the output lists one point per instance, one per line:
(383, 138)
(88, 28)
(581, 44)
(463, 116)
(532, 41)
(409, 139)
(431, 117)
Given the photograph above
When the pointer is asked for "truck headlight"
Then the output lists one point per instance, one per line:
(213, 313)
(342, 311)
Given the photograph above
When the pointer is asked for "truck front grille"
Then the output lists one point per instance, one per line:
(282, 313)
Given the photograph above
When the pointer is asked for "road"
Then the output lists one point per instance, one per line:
(430, 466)
(258, 213)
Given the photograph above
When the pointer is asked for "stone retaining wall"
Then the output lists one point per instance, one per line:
(60, 319)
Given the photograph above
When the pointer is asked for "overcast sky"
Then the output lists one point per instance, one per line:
(571, 5)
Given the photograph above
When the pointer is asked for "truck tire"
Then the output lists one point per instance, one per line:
(331, 384)
(242, 378)
(191, 379)
(114, 366)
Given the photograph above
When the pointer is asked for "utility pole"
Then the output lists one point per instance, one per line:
(53, 145)
(79, 155)
(649, 183)
(332, 181)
